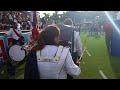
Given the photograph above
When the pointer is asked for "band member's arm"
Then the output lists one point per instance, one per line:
(79, 46)
(8, 33)
(71, 68)
(20, 31)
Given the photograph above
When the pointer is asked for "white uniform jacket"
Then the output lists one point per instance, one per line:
(56, 70)
(77, 43)
(14, 36)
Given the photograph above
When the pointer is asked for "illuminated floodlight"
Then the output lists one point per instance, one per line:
(111, 20)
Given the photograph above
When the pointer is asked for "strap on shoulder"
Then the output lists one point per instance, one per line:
(55, 59)
(38, 55)
(58, 54)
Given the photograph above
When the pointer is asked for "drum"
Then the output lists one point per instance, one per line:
(17, 52)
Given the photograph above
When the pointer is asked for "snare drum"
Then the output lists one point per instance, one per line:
(17, 52)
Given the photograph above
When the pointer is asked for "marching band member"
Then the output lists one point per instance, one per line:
(49, 60)
(17, 38)
(43, 22)
(77, 41)
(16, 34)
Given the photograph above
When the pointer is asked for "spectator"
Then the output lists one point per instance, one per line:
(28, 25)
(43, 22)
(1, 26)
(1, 17)
(18, 25)
(7, 17)
(10, 17)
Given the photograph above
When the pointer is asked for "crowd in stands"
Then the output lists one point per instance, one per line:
(8, 17)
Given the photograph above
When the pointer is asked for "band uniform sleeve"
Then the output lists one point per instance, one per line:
(79, 45)
(20, 31)
(71, 68)
(9, 32)
(31, 70)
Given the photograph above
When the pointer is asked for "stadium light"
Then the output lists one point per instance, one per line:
(111, 20)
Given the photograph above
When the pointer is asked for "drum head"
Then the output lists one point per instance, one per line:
(16, 53)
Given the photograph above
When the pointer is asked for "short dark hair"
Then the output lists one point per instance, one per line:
(68, 21)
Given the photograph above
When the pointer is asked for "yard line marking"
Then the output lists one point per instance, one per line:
(84, 49)
(88, 52)
(102, 74)
(83, 62)
(82, 53)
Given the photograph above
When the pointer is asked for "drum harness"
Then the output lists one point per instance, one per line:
(56, 57)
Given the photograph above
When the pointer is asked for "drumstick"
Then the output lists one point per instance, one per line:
(32, 46)
(24, 44)
(82, 54)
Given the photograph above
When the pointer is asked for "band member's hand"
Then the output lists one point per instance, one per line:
(80, 58)
(78, 62)
(5, 35)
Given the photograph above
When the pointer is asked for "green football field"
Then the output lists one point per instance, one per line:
(91, 65)
(99, 59)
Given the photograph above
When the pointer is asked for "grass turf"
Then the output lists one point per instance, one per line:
(99, 60)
